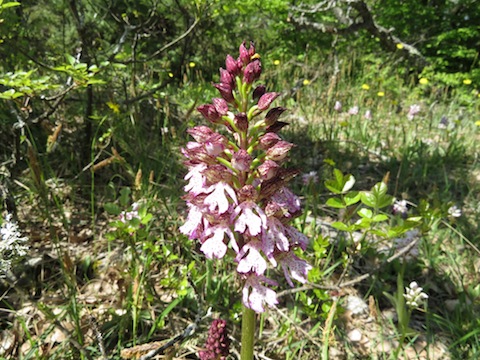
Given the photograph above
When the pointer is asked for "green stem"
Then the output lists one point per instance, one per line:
(248, 333)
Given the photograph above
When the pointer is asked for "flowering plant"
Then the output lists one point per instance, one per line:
(237, 191)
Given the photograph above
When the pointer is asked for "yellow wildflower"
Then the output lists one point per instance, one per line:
(114, 107)
(366, 87)
(170, 74)
(423, 81)
(477, 122)
(306, 82)
(276, 62)
(399, 46)
(467, 81)
(192, 64)
(381, 94)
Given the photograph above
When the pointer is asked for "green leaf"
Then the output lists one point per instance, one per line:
(368, 198)
(351, 198)
(336, 203)
(112, 208)
(380, 217)
(341, 226)
(125, 196)
(365, 213)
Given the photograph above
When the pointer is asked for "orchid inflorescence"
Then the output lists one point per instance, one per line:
(237, 191)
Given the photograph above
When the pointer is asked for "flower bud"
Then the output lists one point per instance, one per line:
(241, 121)
(225, 91)
(268, 140)
(200, 133)
(232, 66)
(241, 160)
(273, 115)
(217, 344)
(244, 54)
(226, 77)
(258, 92)
(209, 112)
(266, 100)
(247, 193)
(252, 71)
(220, 105)
(279, 151)
(268, 169)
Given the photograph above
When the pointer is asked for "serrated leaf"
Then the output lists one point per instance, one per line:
(336, 203)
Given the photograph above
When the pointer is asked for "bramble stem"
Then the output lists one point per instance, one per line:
(248, 333)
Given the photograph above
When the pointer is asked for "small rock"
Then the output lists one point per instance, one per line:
(355, 335)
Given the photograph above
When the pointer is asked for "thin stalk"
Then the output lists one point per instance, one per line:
(248, 333)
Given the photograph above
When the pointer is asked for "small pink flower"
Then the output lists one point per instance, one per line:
(338, 106)
(196, 180)
(252, 72)
(353, 110)
(250, 259)
(209, 112)
(294, 267)
(274, 236)
(193, 225)
(250, 216)
(255, 295)
(218, 197)
(214, 246)
(287, 200)
(268, 140)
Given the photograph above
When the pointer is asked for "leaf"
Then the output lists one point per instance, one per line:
(349, 181)
(380, 217)
(336, 203)
(112, 208)
(351, 198)
(341, 226)
(368, 198)
(365, 213)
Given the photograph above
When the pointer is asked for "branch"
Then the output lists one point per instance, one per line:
(361, 20)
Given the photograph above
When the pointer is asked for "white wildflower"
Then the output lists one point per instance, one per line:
(455, 211)
(414, 295)
(12, 245)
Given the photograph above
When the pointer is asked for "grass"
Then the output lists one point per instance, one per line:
(101, 287)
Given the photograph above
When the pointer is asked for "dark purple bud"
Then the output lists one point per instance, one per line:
(220, 105)
(241, 121)
(217, 345)
(258, 92)
(273, 115)
(252, 71)
(279, 151)
(200, 133)
(279, 125)
(209, 112)
(232, 66)
(244, 54)
(251, 50)
(266, 100)
(268, 140)
(226, 77)
(241, 160)
(226, 92)
(268, 169)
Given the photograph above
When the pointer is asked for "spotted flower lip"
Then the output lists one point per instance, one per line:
(238, 202)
